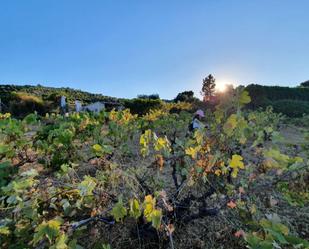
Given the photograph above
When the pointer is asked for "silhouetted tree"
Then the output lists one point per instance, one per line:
(150, 96)
(305, 84)
(208, 88)
(186, 96)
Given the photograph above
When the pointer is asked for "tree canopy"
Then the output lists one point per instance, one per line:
(208, 87)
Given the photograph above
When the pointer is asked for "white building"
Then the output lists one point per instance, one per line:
(94, 107)
(78, 106)
(62, 101)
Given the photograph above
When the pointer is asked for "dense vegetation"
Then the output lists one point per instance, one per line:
(290, 101)
(119, 180)
(23, 100)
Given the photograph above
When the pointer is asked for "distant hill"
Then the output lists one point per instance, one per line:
(291, 101)
(21, 100)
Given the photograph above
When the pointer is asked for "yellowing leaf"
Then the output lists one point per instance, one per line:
(161, 143)
(4, 230)
(135, 210)
(199, 135)
(253, 209)
(97, 147)
(218, 172)
(192, 151)
(49, 230)
(236, 163)
(149, 206)
(144, 142)
(244, 98)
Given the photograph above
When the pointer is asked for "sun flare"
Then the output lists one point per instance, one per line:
(221, 86)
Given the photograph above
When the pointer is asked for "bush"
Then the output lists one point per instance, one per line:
(142, 106)
(151, 96)
(291, 108)
(186, 96)
(24, 104)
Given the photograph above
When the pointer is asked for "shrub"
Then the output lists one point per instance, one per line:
(291, 108)
(24, 104)
(142, 106)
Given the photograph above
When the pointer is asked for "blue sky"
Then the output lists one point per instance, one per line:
(125, 48)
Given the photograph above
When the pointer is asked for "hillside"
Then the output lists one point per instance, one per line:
(20, 100)
(291, 101)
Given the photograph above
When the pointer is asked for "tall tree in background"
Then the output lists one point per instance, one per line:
(305, 84)
(208, 88)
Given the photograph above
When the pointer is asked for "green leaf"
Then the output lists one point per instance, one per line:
(60, 242)
(156, 216)
(87, 186)
(230, 124)
(278, 236)
(50, 230)
(300, 243)
(244, 98)
(119, 211)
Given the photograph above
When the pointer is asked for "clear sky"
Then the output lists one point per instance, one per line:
(124, 48)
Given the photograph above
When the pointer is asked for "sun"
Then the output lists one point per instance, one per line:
(221, 86)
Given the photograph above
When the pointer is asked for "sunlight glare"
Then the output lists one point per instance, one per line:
(221, 86)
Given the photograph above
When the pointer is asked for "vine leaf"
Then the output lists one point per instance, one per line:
(236, 164)
(60, 242)
(230, 124)
(50, 230)
(135, 210)
(149, 206)
(192, 151)
(156, 216)
(244, 98)
(87, 186)
(119, 211)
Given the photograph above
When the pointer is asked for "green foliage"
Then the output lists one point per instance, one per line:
(135, 210)
(6, 170)
(291, 108)
(87, 186)
(23, 100)
(186, 96)
(292, 102)
(58, 205)
(49, 230)
(273, 234)
(142, 106)
(119, 211)
(102, 150)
